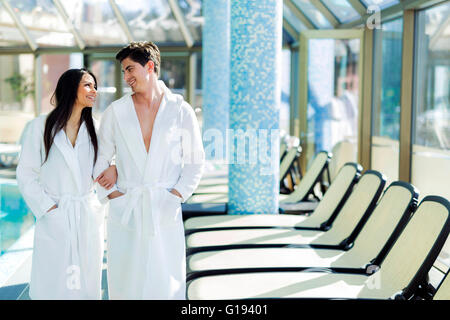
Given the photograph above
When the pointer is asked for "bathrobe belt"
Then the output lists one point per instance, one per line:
(71, 206)
(134, 193)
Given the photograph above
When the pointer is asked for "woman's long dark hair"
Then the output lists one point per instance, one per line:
(64, 99)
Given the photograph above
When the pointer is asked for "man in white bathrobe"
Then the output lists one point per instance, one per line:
(156, 141)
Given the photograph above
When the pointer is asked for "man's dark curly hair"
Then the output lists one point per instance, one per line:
(141, 52)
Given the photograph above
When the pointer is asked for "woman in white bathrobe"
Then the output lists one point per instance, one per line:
(54, 175)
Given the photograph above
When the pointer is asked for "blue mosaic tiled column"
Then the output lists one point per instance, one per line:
(216, 76)
(256, 38)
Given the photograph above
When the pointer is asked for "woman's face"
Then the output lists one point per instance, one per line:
(86, 91)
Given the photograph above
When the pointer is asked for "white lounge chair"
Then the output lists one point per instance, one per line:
(370, 246)
(325, 211)
(402, 270)
(341, 233)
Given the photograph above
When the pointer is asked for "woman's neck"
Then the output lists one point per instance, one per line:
(75, 117)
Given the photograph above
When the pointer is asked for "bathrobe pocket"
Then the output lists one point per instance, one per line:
(52, 225)
(54, 213)
(117, 207)
(170, 208)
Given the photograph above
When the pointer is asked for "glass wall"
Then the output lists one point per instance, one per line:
(173, 73)
(52, 66)
(342, 10)
(333, 95)
(285, 90)
(9, 34)
(387, 73)
(431, 125)
(292, 20)
(430, 167)
(382, 4)
(43, 22)
(16, 95)
(198, 101)
(105, 72)
(95, 21)
(314, 15)
(151, 20)
(192, 11)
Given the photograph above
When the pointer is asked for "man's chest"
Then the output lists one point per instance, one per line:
(146, 117)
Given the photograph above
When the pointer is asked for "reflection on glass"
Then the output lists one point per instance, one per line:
(16, 83)
(198, 101)
(43, 22)
(95, 21)
(386, 99)
(431, 125)
(16, 95)
(192, 11)
(333, 84)
(52, 67)
(104, 70)
(151, 20)
(317, 18)
(292, 20)
(173, 73)
(285, 90)
(380, 3)
(430, 170)
(342, 10)
(9, 34)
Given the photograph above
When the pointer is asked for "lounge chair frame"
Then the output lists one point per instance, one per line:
(344, 245)
(405, 294)
(324, 226)
(369, 268)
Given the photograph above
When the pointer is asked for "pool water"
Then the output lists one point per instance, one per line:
(15, 217)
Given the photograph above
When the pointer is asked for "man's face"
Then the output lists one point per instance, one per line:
(136, 75)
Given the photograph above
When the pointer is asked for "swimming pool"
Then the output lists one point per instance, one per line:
(15, 217)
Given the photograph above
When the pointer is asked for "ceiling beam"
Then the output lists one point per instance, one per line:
(319, 5)
(23, 30)
(182, 23)
(69, 24)
(290, 29)
(439, 33)
(120, 18)
(358, 6)
(387, 13)
(299, 14)
(392, 12)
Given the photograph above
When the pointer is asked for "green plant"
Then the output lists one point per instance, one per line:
(20, 86)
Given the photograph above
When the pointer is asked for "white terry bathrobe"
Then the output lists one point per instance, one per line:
(68, 241)
(145, 233)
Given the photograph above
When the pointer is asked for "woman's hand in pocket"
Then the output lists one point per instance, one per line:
(52, 208)
(115, 194)
(175, 192)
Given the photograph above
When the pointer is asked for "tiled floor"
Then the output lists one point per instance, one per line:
(16, 288)
(20, 291)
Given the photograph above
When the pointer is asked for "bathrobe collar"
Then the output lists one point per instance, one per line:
(131, 131)
(63, 144)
